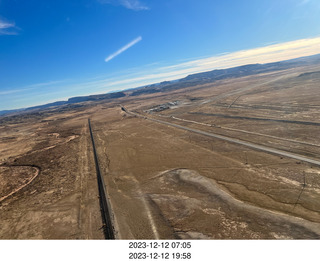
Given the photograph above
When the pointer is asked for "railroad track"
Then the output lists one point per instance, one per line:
(108, 228)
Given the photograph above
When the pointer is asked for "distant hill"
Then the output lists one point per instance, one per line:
(9, 111)
(190, 80)
(99, 97)
(220, 74)
(70, 101)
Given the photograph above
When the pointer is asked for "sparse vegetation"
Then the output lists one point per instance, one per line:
(165, 182)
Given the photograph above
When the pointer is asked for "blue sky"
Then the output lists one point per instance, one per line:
(55, 49)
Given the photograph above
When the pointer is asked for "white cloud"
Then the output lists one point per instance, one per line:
(266, 54)
(124, 48)
(38, 86)
(10, 92)
(135, 5)
(129, 79)
(43, 84)
(156, 73)
(6, 28)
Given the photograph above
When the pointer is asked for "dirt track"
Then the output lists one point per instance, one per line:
(17, 180)
(166, 182)
(248, 144)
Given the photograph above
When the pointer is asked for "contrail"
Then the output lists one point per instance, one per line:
(121, 50)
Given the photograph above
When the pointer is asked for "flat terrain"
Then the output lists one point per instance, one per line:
(165, 182)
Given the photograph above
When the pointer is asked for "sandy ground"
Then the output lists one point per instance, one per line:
(160, 167)
(61, 202)
(163, 182)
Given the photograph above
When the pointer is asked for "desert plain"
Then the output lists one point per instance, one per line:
(164, 181)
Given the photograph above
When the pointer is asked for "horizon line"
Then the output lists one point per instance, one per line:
(65, 99)
(129, 78)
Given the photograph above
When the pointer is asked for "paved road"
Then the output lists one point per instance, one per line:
(244, 143)
(243, 131)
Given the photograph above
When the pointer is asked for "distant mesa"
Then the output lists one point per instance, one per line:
(190, 80)
(70, 101)
(114, 95)
(221, 74)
